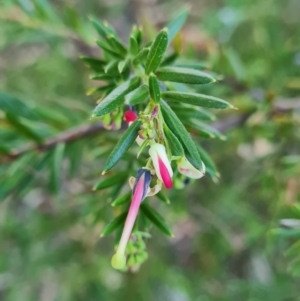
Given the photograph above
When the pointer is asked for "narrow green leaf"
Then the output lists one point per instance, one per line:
(236, 63)
(4, 150)
(29, 176)
(141, 56)
(184, 75)
(75, 151)
(107, 49)
(291, 160)
(123, 145)
(176, 24)
(156, 219)
(204, 129)
(114, 224)
(138, 95)
(52, 116)
(116, 97)
(109, 29)
(197, 99)
(185, 112)
(110, 180)
(193, 65)
(104, 77)
(22, 128)
(94, 63)
(294, 250)
(101, 29)
(154, 88)
(210, 166)
(125, 198)
(174, 143)
(100, 90)
(137, 34)
(117, 45)
(112, 68)
(122, 65)
(45, 10)
(176, 126)
(56, 167)
(169, 59)
(286, 232)
(161, 196)
(15, 106)
(133, 46)
(157, 51)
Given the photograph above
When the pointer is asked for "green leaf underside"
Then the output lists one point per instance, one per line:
(176, 126)
(156, 219)
(114, 224)
(174, 143)
(110, 180)
(184, 75)
(123, 145)
(157, 51)
(138, 95)
(116, 97)
(154, 88)
(196, 99)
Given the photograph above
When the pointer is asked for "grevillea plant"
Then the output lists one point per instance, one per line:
(150, 89)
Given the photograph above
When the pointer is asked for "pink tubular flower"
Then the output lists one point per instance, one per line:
(139, 192)
(187, 169)
(130, 116)
(161, 164)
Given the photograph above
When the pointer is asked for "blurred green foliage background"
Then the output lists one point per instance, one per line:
(228, 244)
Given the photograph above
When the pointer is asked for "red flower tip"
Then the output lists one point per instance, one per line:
(130, 116)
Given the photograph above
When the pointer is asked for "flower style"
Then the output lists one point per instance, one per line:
(139, 192)
(187, 169)
(161, 164)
